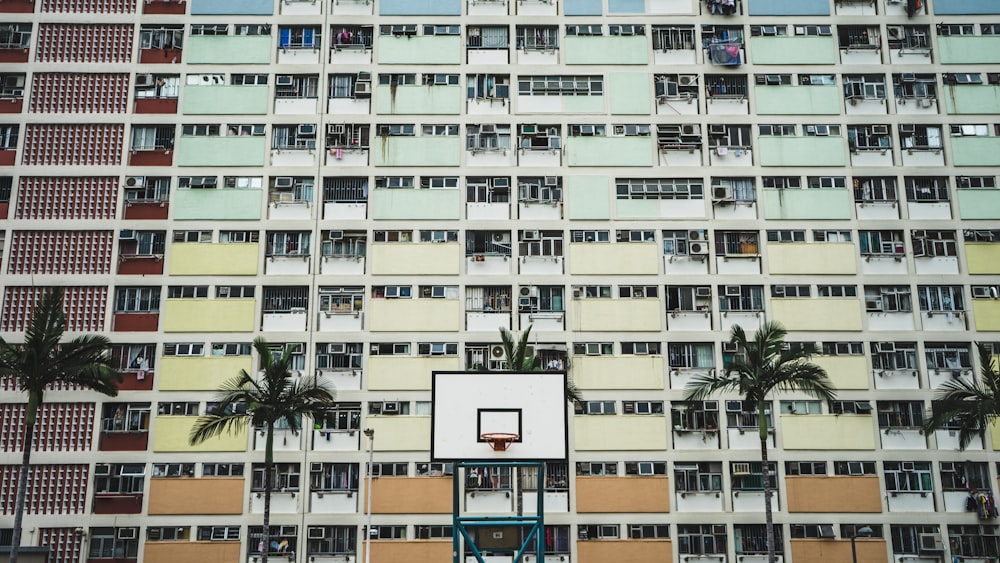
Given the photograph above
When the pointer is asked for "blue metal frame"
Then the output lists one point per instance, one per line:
(461, 524)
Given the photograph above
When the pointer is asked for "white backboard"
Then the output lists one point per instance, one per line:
(465, 405)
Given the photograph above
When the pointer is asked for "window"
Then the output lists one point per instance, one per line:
(396, 130)
(751, 539)
(926, 189)
(695, 415)
(645, 468)
(786, 236)
(888, 299)
(948, 357)
(975, 182)
(333, 476)
(176, 409)
(218, 533)
(299, 37)
(642, 407)
(881, 243)
(187, 292)
(869, 138)
(864, 87)
(488, 478)
(747, 298)
(209, 29)
(915, 88)
(285, 300)
(859, 37)
(241, 182)
(737, 243)
(137, 299)
(353, 37)
(964, 476)
(487, 138)
(587, 130)
(900, 414)
(597, 468)
(908, 539)
(390, 349)
(659, 188)
(350, 86)
(222, 469)
(826, 235)
(539, 190)
(294, 137)
(875, 190)
(944, 298)
(590, 236)
(934, 243)
(174, 469)
(920, 137)
(437, 348)
(750, 477)
(805, 467)
(702, 539)
(836, 291)
(434, 469)
(596, 407)
(390, 469)
(152, 138)
(109, 543)
(592, 292)
(388, 532)
(598, 531)
(487, 37)
(230, 349)
(800, 407)
(583, 30)
(908, 477)
(290, 86)
(119, 478)
(768, 30)
(283, 539)
(200, 130)
(854, 468)
(488, 86)
(150, 37)
(842, 349)
(593, 348)
(648, 531)
(425, 532)
(583, 85)
(184, 349)
(972, 540)
(287, 244)
(699, 477)
(284, 477)
(789, 291)
(537, 38)
(894, 356)
(812, 531)
(673, 37)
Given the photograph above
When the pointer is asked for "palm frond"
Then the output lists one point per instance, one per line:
(969, 406)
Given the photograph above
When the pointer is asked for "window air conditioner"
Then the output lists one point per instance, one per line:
(886, 347)
(716, 129)
(127, 533)
(690, 130)
(906, 466)
(703, 291)
(126, 234)
(283, 183)
(101, 470)
(496, 351)
(734, 406)
(528, 291)
(551, 181)
(306, 129)
(316, 467)
(335, 235)
(722, 193)
(895, 31)
(491, 129)
(730, 347)
(907, 128)
(733, 291)
(711, 406)
(316, 533)
(531, 235)
(696, 235)
(362, 89)
(741, 468)
(144, 80)
(501, 182)
(335, 129)
(283, 80)
(390, 407)
(688, 80)
(980, 291)
(931, 542)
(698, 248)
(880, 129)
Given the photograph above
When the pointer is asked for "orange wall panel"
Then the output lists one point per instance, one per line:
(622, 494)
(840, 493)
(187, 496)
(824, 551)
(411, 495)
(202, 551)
(422, 551)
(624, 551)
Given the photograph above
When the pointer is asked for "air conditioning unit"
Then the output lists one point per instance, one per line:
(529, 129)
(335, 235)
(906, 466)
(316, 533)
(316, 467)
(880, 129)
(895, 31)
(931, 542)
(126, 234)
(551, 181)
(734, 406)
(703, 291)
(496, 351)
(144, 80)
(102, 470)
(491, 129)
(733, 291)
(283, 183)
(501, 182)
(722, 193)
(135, 182)
(127, 533)
(741, 468)
(886, 347)
(307, 129)
(283, 80)
(335, 129)
(730, 348)
(710, 406)
(698, 248)
(337, 348)
(690, 130)
(778, 291)
(716, 129)
(362, 89)
(981, 291)
(528, 291)
(696, 235)
(390, 407)
(688, 79)
(531, 235)
(907, 128)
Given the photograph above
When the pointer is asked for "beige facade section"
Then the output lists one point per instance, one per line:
(214, 259)
(627, 315)
(836, 493)
(414, 315)
(637, 258)
(619, 433)
(209, 315)
(401, 433)
(825, 551)
(415, 258)
(200, 551)
(827, 432)
(172, 434)
(811, 258)
(420, 551)
(846, 372)
(625, 551)
(188, 496)
(818, 314)
(618, 372)
(180, 373)
(622, 494)
(407, 373)
(410, 495)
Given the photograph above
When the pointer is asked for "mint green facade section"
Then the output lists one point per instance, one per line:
(797, 100)
(808, 204)
(588, 197)
(222, 204)
(972, 99)
(420, 50)
(228, 49)
(968, 49)
(803, 151)
(419, 100)
(221, 151)
(793, 50)
(606, 50)
(975, 151)
(415, 204)
(225, 100)
(610, 151)
(583, 104)
(630, 93)
(417, 151)
(638, 209)
(979, 204)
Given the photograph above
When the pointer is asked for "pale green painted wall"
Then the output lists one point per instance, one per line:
(228, 49)
(588, 197)
(808, 204)
(793, 50)
(417, 151)
(420, 100)
(610, 151)
(606, 50)
(225, 100)
(630, 93)
(221, 151)
(637, 208)
(979, 204)
(221, 204)
(415, 204)
(416, 50)
(797, 100)
(966, 49)
(972, 99)
(803, 151)
(583, 104)
(975, 151)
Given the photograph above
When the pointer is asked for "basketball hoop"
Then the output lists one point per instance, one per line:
(500, 441)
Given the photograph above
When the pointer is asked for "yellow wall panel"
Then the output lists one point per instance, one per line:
(180, 373)
(407, 373)
(618, 372)
(846, 372)
(818, 313)
(627, 315)
(811, 258)
(827, 432)
(416, 258)
(614, 259)
(401, 433)
(983, 257)
(617, 433)
(213, 259)
(987, 312)
(208, 315)
(414, 315)
(187, 496)
(623, 494)
(171, 434)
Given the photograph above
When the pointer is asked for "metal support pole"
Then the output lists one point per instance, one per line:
(370, 434)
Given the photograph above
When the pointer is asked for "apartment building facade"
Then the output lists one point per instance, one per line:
(382, 185)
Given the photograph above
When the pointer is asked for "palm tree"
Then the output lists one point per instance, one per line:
(765, 366)
(43, 361)
(276, 397)
(516, 354)
(971, 405)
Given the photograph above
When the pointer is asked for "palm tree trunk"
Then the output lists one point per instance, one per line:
(768, 517)
(268, 484)
(30, 417)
